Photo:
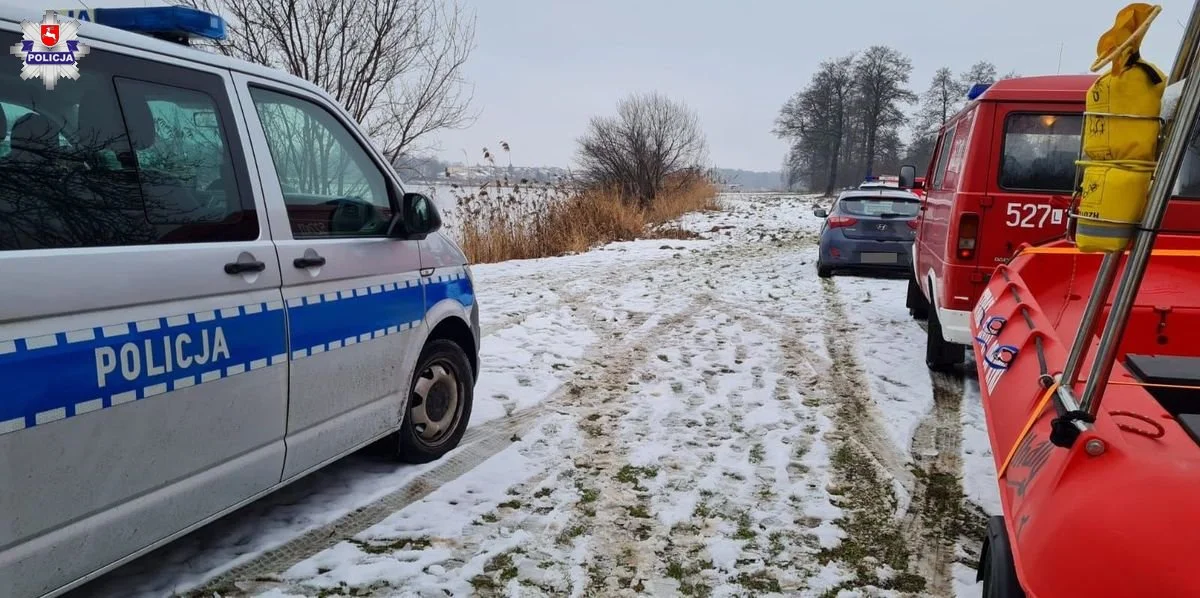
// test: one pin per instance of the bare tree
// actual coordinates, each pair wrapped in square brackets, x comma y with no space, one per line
[650,140]
[882,74]
[395,65]
[818,115]
[980,72]
[942,99]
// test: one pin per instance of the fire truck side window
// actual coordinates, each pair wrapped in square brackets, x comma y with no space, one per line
[943,157]
[1040,151]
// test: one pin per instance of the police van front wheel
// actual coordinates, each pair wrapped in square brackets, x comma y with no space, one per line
[439,403]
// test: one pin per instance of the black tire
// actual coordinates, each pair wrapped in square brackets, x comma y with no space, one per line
[917,304]
[438,358]
[996,567]
[941,356]
[824,271]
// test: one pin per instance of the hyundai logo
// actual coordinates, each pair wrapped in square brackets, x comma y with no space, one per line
[881,227]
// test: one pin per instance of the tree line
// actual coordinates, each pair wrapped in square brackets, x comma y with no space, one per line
[847,123]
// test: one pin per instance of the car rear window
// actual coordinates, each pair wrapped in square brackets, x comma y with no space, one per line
[880,206]
[1040,152]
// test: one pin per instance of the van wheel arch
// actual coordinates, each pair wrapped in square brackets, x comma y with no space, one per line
[457,331]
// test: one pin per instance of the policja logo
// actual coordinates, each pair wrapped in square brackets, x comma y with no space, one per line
[50,50]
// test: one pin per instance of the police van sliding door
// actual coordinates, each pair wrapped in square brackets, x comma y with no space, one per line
[353,296]
[142,366]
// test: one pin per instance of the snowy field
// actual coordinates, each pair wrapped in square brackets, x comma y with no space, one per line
[653,418]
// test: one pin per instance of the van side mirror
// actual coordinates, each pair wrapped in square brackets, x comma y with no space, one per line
[820,213]
[908,176]
[418,218]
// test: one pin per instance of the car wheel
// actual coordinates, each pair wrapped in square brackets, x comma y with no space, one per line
[941,356]
[439,403]
[824,271]
[997,570]
[918,306]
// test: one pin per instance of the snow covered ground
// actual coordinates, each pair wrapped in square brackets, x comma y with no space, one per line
[664,418]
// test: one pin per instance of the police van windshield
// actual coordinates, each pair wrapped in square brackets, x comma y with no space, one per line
[880,206]
[1040,152]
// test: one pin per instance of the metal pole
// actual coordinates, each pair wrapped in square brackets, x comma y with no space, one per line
[1186,53]
[1087,326]
[1179,133]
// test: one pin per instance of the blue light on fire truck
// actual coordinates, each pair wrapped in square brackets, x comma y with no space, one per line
[977,90]
[178,21]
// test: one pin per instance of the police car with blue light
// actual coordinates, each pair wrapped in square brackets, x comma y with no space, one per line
[211,285]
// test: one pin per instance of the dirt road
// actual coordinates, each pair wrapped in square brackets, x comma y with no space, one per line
[695,418]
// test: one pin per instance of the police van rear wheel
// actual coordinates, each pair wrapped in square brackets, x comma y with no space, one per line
[439,403]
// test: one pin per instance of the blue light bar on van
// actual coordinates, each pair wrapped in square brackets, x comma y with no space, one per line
[977,90]
[174,21]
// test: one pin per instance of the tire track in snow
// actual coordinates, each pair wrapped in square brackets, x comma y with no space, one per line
[934,516]
[478,445]
[474,450]
[866,460]
[847,383]
[621,543]
[599,387]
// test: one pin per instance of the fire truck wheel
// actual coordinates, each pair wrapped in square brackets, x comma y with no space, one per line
[940,355]
[996,567]
[918,306]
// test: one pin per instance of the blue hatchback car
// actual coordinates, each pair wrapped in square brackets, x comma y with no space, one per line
[868,229]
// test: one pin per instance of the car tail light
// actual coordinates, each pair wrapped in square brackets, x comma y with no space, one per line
[913,224]
[841,221]
[968,235]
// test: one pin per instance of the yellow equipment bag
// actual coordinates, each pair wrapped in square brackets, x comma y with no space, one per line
[1120,134]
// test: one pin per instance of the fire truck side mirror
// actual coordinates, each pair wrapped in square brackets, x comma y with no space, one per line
[908,176]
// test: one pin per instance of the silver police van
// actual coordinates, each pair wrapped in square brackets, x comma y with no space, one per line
[211,285]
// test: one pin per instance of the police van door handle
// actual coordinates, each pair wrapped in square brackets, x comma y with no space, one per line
[243,267]
[308,262]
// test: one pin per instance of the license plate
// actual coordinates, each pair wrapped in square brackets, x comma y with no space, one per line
[878,258]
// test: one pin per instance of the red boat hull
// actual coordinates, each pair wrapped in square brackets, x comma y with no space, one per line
[1125,522]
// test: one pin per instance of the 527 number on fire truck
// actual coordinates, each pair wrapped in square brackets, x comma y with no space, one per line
[1032,215]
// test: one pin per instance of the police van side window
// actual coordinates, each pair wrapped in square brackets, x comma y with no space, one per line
[185,169]
[943,158]
[330,185]
[112,159]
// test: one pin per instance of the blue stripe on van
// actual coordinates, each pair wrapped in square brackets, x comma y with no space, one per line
[334,320]
[67,374]
[453,286]
[71,373]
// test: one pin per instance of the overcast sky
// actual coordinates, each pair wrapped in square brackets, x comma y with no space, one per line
[543,67]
